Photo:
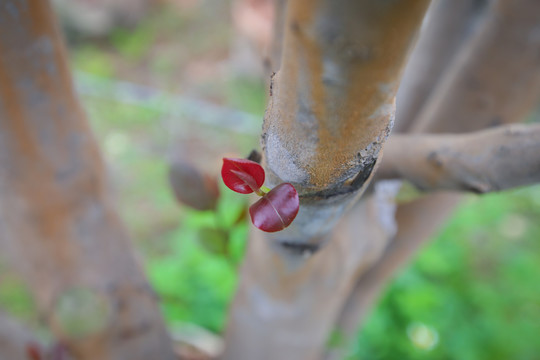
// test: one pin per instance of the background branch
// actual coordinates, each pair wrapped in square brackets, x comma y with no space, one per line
[486,84]
[416,221]
[276,47]
[489,160]
[494,79]
[451,20]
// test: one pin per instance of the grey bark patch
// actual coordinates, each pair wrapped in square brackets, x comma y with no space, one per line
[434,159]
[503,150]
[301,249]
[477,187]
[281,162]
[385,195]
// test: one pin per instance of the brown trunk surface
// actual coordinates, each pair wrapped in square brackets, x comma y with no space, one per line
[62,232]
[331,109]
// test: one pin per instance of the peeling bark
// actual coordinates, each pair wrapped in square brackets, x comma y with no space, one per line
[60,228]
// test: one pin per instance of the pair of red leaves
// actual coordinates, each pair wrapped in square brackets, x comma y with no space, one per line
[56,351]
[276,209]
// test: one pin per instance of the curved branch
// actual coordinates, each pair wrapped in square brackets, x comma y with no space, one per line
[495,78]
[489,160]
[487,82]
[451,20]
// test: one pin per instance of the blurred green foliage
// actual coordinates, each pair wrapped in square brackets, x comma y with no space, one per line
[92,60]
[473,293]
[195,284]
[14,296]
[247,95]
[475,288]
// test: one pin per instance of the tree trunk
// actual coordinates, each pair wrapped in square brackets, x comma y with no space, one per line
[291,298]
[451,20]
[60,227]
[331,110]
[14,339]
[416,222]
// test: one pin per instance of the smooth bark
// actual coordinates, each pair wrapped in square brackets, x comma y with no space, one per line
[487,67]
[446,29]
[495,78]
[59,225]
[332,106]
[276,47]
[14,338]
[489,160]
[417,221]
[286,311]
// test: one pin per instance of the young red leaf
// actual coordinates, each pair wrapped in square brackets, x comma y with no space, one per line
[241,175]
[33,351]
[275,210]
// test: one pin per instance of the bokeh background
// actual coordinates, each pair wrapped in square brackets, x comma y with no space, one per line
[184,81]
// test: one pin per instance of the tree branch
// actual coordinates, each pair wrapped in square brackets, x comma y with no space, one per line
[331,110]
[489,160]
[451,20]
[333,102]
[416,223]
[486,82]
[495,78]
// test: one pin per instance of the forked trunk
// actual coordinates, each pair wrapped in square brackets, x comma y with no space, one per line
[331,110]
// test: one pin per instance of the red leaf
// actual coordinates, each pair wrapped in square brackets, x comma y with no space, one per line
[276,210]
[241,175]
[33,351]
